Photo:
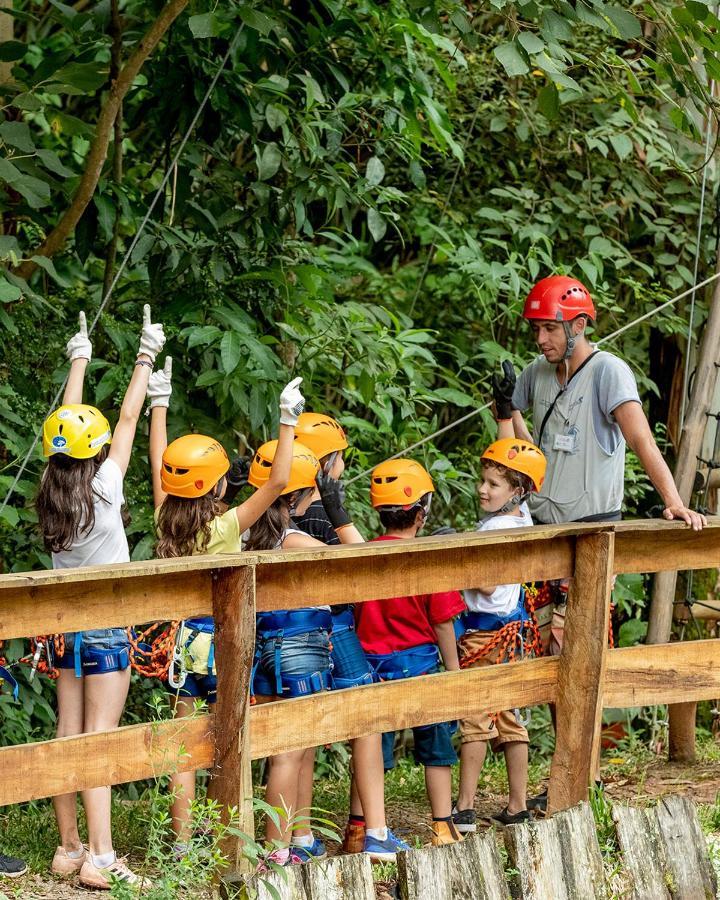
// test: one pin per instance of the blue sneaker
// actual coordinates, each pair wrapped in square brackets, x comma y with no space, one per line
[384,851]
[316,851]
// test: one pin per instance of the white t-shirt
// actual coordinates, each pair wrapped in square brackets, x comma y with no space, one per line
[505,597]
[106,542]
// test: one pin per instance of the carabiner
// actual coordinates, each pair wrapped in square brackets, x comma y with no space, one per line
[178,657]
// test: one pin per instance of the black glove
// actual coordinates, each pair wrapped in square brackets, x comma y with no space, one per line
[444,529]
[237,477]
[503,391]
[332,494]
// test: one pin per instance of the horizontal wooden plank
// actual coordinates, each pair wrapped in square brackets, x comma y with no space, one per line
[134,752]
[665,545]
[647,675]
[104,603]
[338,715]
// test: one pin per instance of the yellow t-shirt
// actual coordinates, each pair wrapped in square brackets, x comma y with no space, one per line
[225,534]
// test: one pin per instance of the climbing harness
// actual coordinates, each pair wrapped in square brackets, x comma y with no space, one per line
[404,663]
[275,627]
[342,623]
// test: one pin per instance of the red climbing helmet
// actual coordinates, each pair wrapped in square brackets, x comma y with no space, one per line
[559,297]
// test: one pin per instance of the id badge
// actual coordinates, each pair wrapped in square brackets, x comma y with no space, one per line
[564,442]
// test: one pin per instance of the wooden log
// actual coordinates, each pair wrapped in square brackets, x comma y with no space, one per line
[231,782]
[647,675]
[643,853]
[470,870]
[581,671]
[284,884]
[557,858]
[692,876]
[681,732]
[132,753]
[339,715]
[640,550]
[340,878]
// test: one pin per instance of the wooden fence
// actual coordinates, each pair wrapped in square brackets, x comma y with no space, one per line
[586,677]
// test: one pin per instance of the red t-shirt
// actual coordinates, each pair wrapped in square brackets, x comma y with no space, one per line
[386,626]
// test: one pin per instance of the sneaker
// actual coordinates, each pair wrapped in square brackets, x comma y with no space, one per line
[354,840]
[444,833]
[101,879]
[11,867]
[64,864]
[538,803]
[384,851]
[465,820]
[295,857]
[317,850]
[506,818]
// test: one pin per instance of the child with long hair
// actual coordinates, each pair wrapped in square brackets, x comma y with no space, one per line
[190,491]
[366,830]
[292,646]
[79,507]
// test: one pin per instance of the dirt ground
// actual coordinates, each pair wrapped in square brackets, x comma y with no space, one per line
[411,820]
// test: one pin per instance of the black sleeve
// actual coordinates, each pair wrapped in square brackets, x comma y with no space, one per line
[316,523]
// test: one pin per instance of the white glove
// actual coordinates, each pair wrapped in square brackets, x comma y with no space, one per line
[159,387]
[152,338]
[79,346]
[292,403]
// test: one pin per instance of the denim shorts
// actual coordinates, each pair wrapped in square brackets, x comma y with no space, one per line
[101,639]
[202,686]
[299,655]
[433,746]
[350,666]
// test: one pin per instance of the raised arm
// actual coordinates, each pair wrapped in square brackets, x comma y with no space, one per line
[151,343]
[510,421]
[332,494]
[292,404]
[159,391]
[79,352]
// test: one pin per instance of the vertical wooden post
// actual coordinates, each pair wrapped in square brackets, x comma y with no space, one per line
[581,671]
[231,784]
[681,737]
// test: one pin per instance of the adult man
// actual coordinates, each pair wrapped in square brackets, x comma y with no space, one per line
[585,407]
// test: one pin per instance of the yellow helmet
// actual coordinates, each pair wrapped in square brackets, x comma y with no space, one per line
[303,470]
[399,482]
[76,430]
[192,465]
[321,433]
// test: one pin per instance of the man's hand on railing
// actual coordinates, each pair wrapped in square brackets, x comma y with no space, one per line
[695,520]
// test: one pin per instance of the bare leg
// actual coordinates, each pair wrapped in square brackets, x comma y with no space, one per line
[282,791]
[356,807]
[516,760]
[305,794]
[438,782]
[104,702]
[368,783]
[472,759]
[182,785]
[70,701]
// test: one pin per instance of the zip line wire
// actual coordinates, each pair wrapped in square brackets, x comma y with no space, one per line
[123,264]
[604,340]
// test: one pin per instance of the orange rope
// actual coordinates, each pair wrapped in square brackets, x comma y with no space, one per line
[152,649]
[509,639]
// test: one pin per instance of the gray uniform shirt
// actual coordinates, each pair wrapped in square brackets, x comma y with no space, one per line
[583,443]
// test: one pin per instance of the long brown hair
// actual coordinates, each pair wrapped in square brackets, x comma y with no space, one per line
[183,524]
[266,533]
[66,500]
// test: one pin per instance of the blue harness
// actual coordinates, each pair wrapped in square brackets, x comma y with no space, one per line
[342,623]
[89,660]
[404,663]
[6,676]
[489,621]
[276,626]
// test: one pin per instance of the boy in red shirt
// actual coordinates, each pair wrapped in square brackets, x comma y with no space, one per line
[402,637]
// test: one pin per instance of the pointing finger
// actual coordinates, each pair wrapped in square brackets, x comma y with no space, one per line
[295,382]
[147,320]
[508,368]
[83,324]
[167,368]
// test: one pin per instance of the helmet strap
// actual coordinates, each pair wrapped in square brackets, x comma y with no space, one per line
[570,340]
[329,462]
[511,505]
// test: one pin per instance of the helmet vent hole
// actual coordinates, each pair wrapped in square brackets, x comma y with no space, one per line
[181,471]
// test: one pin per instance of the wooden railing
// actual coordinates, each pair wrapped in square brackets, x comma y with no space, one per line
[586,677]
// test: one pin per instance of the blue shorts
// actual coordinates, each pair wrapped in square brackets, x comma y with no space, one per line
[433,746]
[101,651]
[202,686]
[350,666]
[301,654]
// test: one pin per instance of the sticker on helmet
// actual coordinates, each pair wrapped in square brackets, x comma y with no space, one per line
[100,440]
[64,414]
[59,442]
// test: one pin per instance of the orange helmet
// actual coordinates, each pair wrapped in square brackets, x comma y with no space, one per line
[520,456]
[303,470]
[322,434]
[192,465]
[399,482]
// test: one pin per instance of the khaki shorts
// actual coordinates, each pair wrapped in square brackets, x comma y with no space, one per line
[557,631]
[500,728]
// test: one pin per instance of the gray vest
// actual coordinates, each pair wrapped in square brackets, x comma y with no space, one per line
[583,478]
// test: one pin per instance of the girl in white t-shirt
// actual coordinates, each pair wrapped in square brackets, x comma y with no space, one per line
[512,469]
[79,508]
[191,491]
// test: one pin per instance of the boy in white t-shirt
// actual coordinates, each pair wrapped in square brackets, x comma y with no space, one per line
[512,469]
